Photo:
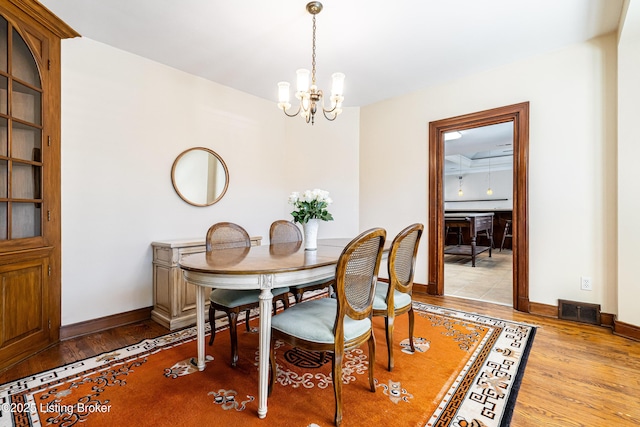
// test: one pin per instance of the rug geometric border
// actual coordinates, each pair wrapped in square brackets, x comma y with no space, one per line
[485,391]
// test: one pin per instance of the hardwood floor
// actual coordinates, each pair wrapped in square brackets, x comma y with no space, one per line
[82,347]
[577,374]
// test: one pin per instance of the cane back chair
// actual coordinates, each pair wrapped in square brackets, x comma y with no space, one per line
[341,323]
[394,298]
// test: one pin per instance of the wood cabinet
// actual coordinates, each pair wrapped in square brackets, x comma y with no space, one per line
[174,300]
[29,178]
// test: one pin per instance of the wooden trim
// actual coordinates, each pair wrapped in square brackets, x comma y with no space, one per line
[46,18]
[626,330]
[519,115]
[103,323]
[545,310]
[420,288]
[608,320]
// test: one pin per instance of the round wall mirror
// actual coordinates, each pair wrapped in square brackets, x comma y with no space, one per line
[200,176]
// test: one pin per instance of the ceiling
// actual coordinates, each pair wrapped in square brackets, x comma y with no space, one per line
[385,48]
[481,149]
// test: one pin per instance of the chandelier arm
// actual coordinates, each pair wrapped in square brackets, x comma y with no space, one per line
[329,111]
[325,110]
[284,110]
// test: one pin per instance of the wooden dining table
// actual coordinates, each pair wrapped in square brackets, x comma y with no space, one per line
[476,222]
[258,267]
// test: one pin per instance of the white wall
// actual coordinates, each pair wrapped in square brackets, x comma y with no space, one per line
[572,175]
[474,191]
[628,171]
[124,121]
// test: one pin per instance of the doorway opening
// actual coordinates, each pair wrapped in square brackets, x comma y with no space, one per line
[478,188]
[518,116]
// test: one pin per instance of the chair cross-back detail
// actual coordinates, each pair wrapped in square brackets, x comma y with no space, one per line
[506,234]
[340,324]
[282,231]
[227,235]
[394,298]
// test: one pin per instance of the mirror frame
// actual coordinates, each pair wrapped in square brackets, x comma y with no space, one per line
[224,166]
[519,115]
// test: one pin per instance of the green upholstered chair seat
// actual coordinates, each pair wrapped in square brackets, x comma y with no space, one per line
[313,321]
[231,298]
[400,299]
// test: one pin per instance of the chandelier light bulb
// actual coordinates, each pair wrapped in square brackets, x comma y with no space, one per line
[283,95]
[302,81]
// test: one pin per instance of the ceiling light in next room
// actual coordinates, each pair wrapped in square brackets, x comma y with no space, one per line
[452,135]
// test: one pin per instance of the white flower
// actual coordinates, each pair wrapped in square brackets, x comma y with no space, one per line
[321,196]
[307,196]
[293,197]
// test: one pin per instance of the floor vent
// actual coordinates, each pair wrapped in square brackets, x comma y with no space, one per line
[579,311]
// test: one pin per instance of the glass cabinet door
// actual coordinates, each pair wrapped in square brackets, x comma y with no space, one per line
[20,138]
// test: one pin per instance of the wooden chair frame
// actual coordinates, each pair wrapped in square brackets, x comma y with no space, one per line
[396,284]
[344,308]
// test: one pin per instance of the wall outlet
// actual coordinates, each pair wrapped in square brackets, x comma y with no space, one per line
[585,283]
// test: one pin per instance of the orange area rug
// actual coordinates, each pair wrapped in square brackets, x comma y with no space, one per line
[465,372]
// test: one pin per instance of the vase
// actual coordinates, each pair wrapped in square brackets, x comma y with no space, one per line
[311,234]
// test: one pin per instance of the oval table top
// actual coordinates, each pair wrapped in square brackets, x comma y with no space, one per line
[267,259]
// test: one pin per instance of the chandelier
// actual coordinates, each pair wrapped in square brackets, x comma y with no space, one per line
[311,97]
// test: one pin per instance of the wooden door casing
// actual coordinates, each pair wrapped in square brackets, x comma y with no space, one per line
[519,115]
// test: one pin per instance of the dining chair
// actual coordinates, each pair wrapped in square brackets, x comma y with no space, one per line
[227,235]
[506,233]
[394,298]
[336,324]
[282,231]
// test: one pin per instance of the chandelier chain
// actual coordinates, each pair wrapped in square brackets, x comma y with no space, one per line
[313,54]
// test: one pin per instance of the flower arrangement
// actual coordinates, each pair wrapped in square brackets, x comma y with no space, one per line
[310,205]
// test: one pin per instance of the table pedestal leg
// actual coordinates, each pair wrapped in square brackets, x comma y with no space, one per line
[266,299]
[200,294]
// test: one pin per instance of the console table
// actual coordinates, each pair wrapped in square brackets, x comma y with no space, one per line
[476,222]
[174,300]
